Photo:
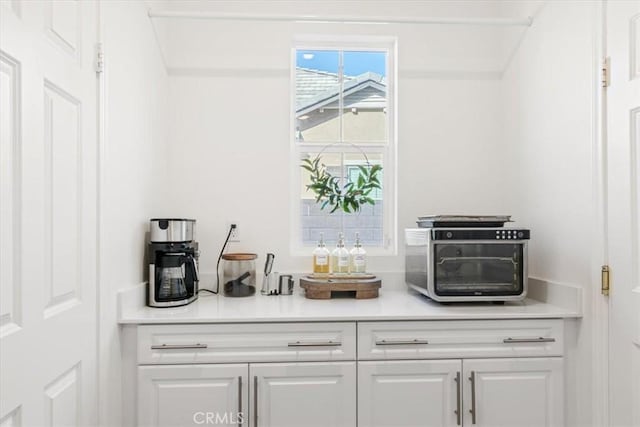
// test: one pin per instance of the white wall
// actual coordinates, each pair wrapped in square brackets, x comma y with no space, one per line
[230,127]
[482,129]
[549,97]
[135,112]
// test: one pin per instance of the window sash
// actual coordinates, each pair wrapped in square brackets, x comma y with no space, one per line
[389,243]
[387,148]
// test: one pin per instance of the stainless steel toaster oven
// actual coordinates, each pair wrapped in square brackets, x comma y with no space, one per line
[467,264]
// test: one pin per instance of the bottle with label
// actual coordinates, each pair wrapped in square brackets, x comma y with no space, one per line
[340,257]
[321,257]
[358,257]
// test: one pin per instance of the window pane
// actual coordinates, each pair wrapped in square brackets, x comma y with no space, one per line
[365,97]
[317,96]
[368,222]
[333,162]
[352,161]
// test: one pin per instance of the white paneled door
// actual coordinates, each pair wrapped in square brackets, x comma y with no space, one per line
[420,393]
[302,394]
[623,152]
[191,395]
[523,392]
[48,229]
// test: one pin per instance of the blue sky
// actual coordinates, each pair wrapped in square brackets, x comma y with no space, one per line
[354,62]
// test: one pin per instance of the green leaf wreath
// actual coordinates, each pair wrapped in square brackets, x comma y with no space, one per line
[350,197]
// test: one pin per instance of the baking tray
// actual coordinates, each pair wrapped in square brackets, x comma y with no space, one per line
[466,221]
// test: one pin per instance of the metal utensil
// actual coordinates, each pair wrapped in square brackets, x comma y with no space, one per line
[268,265]
[285,284]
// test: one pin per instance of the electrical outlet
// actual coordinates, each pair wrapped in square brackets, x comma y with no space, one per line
[235,233]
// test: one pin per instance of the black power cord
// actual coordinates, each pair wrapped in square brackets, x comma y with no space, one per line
[233,226]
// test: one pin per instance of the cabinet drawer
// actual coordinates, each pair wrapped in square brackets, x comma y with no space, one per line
[459,339]
[170,344]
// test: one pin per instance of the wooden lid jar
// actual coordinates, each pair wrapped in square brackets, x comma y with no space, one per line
[239,274]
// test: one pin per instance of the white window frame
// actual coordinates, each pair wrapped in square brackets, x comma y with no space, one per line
[388,150]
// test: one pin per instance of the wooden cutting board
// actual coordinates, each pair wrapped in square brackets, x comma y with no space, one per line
[324,288]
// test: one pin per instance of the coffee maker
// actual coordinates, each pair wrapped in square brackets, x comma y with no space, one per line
[173,263]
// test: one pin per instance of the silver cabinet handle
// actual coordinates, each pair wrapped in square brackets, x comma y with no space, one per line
[458,412]
[255,401]
[240,416]
[177,346]
[402,342]
[521,340]
[472,378]
[314,344]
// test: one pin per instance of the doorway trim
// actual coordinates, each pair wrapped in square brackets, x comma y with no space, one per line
[600,256]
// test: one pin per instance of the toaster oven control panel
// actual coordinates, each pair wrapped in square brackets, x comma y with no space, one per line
[480,234]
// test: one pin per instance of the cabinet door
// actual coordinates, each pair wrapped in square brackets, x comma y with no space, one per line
[407,394]
[513,392]
[303,394]
[184,395]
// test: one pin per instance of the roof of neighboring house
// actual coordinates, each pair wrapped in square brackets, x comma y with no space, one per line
[315,89]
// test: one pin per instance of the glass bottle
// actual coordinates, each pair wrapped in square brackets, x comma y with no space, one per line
[340,257]
[321,257]
[358,257]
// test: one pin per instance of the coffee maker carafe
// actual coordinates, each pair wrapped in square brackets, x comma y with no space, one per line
[173,263]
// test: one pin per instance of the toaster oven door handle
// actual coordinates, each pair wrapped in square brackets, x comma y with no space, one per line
[444,259]
[177,346]
[402,342]
[525,340]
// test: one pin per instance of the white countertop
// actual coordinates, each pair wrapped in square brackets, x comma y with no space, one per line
[390,305]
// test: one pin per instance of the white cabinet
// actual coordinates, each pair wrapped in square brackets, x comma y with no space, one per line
[460,339]
[249,342]
[181,382]
[485,392]
[513,392]
[303,394]
[346,374]
[265,395]
[186,395]
[463,389]
[408,393]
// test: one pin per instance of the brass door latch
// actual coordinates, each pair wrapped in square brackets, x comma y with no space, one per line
[605,280]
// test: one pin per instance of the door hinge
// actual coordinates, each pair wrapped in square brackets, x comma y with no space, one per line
[606,72]
[99,58]
[605,280]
